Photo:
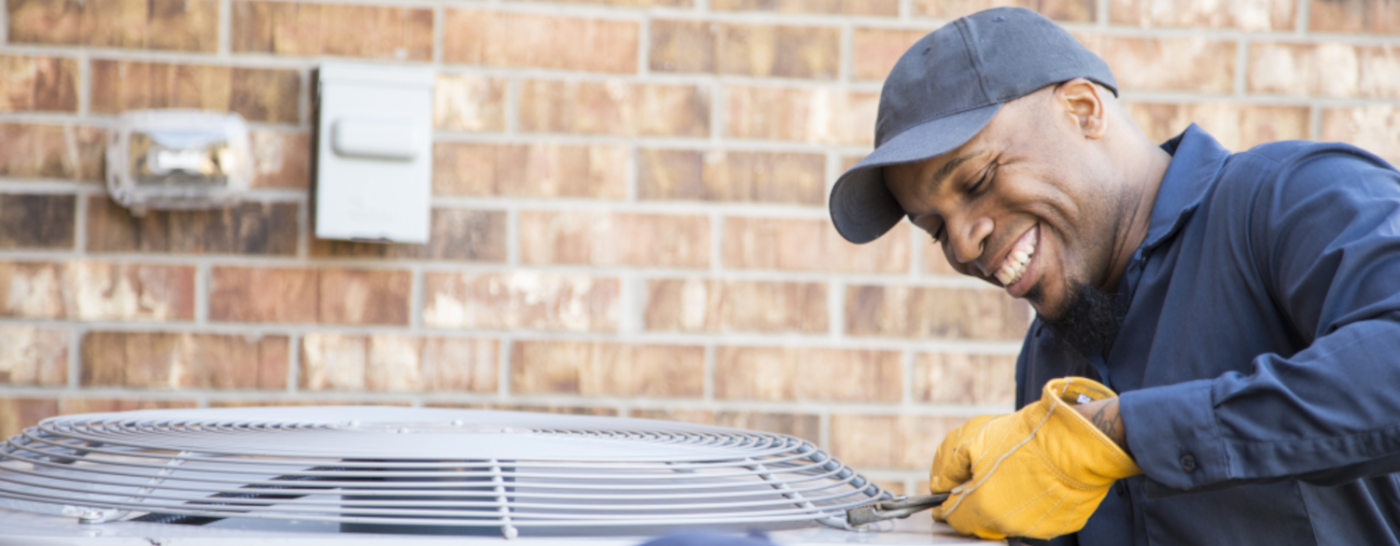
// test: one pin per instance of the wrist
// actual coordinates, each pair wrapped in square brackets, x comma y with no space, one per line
[1104,415]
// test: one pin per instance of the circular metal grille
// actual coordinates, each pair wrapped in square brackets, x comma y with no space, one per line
[381,469]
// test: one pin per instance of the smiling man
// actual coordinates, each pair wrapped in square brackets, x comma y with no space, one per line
[1216,352]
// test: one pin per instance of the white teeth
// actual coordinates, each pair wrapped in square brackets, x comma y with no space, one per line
[1016,263]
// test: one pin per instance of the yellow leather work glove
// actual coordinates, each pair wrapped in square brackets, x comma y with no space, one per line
[1037,473]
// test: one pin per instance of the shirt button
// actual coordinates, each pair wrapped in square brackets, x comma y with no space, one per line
[1188,463]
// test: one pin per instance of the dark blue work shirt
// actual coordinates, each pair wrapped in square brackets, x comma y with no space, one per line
[1259,359]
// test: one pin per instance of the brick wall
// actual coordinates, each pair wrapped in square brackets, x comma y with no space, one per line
[628,215]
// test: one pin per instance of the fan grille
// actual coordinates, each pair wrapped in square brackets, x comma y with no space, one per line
[424,470]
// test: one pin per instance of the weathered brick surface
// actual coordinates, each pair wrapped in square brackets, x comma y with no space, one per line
[935,312]
[174,361]
[281,159]
[398,363]
[597,238]
[694,305]
[366,296]
[313,28]
[524,299]
[1060,10]
[64,152]
[1236,126]
[39,221]
[468,102]
[124,291]
[32,355]
[875,50]
[258,94]
[615,108]
[834,7]
[809,245]
[1379,16]
[935,262]
[38,83]
[607,369]
[541,41]
[889,441]
[1326,70]
[824,116]
[72,405]
[745,49]
[802,425]
[1265,15]
[798,373]
[453,234]
[1375,128]
[184,25]
[1196,64]
[250,227]
[969,379]
[334,296]
[763,177]
[529,170]
[32,290]
[16,414]
[697,417]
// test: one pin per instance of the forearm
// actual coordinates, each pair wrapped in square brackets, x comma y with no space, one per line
[1105,416]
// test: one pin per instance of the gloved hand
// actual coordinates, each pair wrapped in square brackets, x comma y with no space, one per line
[1037,473]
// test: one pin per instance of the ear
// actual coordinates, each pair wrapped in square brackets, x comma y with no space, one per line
[1082,103]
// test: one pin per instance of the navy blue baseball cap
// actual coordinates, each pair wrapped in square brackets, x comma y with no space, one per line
[944,90]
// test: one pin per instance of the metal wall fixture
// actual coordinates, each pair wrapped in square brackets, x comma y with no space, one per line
[178,159]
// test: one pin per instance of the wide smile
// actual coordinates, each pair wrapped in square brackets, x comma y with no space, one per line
[1021,265]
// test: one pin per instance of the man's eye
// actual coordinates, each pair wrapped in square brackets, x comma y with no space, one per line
[986,178]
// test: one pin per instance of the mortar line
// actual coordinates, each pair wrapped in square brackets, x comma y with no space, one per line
[846,54]
[1314,122]
[415,298]
[1304,23]
[305,231]
[824,429]
[708,391]
[507,345]
[716,242]
[1102,17]
[907,376]
[224,48]
[644,46]
[305,100]
[513,236]
[80,222]
[512,107]
[836,309]
[84,83]
[717,112]
[75,364]
[630,173]
[202,286]
[906,10]
[439,32]
[1241,83]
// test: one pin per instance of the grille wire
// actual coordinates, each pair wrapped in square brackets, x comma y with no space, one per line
[382,469]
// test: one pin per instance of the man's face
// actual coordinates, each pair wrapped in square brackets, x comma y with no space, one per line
[1023,205]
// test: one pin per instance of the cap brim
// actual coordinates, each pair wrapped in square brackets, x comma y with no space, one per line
[862,207]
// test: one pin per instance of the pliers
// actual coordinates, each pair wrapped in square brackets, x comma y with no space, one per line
[898,507]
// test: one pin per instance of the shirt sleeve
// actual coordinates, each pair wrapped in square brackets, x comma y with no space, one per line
[1325,238]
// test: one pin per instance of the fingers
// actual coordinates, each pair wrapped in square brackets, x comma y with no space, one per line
[952,464]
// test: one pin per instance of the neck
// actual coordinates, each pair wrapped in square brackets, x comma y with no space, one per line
[1146,168]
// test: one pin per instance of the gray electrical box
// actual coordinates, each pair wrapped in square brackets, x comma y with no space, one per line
[374,153]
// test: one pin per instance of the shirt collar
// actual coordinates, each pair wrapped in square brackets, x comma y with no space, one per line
[1196,160]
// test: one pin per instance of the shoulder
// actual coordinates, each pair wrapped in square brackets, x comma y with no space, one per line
[1282,175]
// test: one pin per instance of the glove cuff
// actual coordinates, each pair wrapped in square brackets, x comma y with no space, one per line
[1104,457]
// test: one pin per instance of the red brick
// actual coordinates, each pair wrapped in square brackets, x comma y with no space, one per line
[34,356]
[467,102]
[372,296]
[1195,64]
[808,374]
[935,262]
[33,290]
[967,379]
[889,441]
[541,41]
[184,25]
[1060,10]
[453,234]
[1328,70]
[833,7]
[696,417]
[1380,16]
[607,369]
[596,411]
[73,405]
[258,94]
[764,177]
[614,107]
[1236,126]
[795,244]
[158,360]
[64,152]
[111,291]
[247,294]
[935,312]
[529,170]
[39,221]
[745,50]
[875,50]
[824,116]
[599,238]
[805,426]
[455,364]
[520,300]
[38,84]
[697,305]
[281,159]
[333,362]
[250,227]
[1375,128]
[1267,15]
[308,29]
[336,401]
[17,414]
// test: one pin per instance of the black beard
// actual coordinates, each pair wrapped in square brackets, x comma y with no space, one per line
[1090,320]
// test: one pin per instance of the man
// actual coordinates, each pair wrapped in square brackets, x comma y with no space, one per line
[1244,307]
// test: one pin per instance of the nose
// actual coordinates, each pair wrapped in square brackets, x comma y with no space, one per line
[967,239]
